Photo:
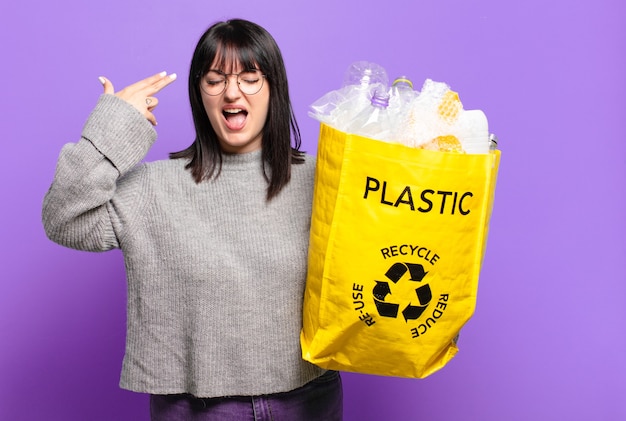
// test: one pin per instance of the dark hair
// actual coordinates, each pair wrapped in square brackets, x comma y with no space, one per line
[252,46]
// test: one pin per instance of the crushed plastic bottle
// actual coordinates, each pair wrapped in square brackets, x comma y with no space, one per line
[339,107]
[365,74]
[375,120]
[401,94]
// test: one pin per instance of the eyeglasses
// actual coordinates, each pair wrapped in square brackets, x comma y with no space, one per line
[250,82]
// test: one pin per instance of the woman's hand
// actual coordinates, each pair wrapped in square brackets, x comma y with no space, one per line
[141,94]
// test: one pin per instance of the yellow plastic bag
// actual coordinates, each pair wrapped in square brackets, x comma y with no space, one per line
[397,240]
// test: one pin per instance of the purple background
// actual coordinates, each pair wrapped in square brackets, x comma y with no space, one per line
[548,337]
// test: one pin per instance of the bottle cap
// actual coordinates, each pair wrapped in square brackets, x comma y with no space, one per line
[402,80]
[380,98]
[493,141]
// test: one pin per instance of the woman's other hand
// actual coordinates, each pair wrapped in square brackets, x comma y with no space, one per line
[141,94]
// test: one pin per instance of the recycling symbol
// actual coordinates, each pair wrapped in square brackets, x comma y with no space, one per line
[396,272]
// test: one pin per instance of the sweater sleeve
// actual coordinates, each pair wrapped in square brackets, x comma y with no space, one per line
[77,210]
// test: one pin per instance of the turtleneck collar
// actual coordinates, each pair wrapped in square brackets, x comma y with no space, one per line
[241,160]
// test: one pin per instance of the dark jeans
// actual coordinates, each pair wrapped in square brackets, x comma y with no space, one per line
[318,400]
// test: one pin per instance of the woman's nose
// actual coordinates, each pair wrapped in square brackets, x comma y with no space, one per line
[232,87]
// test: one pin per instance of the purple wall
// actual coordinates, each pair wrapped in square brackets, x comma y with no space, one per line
[548,337]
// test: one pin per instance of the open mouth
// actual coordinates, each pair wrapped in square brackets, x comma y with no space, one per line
[235,117]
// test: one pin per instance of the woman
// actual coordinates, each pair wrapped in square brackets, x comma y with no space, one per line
[215,239]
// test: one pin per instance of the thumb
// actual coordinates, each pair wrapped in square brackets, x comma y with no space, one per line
[106,83]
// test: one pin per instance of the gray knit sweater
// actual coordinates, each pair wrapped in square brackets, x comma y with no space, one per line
[215,272]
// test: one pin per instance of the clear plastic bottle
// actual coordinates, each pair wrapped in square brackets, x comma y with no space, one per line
[401,97]
[401,94]
[339,107]
[365,74]
[361,80]
[375,121]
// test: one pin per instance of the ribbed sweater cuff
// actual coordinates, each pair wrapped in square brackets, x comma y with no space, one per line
[119,131]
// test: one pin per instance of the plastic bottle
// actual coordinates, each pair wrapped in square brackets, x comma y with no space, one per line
[339,107]
[374,121]
[365,74]
[361,80]
[401,97]
[401,94]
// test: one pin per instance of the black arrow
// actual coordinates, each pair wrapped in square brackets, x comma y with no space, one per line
[424,294]
[381,290]
[417,271]
[387,309]
[412,312]
[396,271]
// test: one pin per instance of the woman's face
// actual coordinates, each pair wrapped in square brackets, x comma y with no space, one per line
[237,118]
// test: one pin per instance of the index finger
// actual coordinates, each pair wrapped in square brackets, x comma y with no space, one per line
[151,83]
[150,80]
[161,83]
